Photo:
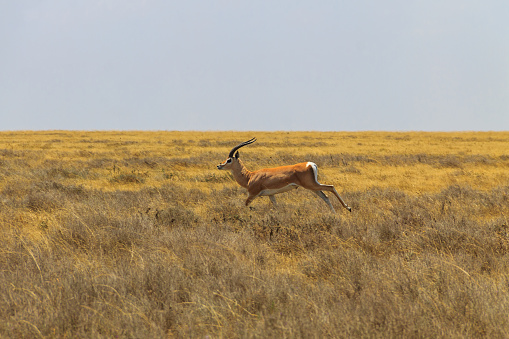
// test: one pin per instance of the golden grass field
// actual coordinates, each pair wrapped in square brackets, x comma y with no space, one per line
[137,234]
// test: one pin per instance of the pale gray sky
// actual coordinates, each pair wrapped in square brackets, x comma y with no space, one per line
[254,65]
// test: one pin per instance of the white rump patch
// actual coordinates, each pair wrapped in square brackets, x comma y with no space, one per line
[315,170]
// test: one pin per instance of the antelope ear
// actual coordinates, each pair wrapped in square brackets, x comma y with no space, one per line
[237,155]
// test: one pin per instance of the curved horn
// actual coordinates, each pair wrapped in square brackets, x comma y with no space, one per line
[242,144]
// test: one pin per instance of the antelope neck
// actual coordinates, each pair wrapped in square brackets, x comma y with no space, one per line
[241,173]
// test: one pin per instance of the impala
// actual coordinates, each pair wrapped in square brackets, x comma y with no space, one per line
[270,181]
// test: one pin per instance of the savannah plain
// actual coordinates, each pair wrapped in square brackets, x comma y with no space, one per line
[137,234]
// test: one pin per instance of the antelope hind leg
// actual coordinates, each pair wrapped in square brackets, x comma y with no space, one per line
[327,201]
[330,188]
[341,200]
[273,199]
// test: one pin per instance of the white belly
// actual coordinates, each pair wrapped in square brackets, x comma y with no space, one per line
[278,190]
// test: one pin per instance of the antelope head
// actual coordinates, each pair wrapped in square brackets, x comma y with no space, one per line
[234,157]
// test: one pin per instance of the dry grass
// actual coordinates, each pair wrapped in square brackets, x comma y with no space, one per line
[134,234]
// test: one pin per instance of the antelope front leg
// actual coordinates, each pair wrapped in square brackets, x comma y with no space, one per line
[250,198]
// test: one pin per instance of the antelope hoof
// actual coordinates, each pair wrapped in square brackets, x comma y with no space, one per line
[349,209]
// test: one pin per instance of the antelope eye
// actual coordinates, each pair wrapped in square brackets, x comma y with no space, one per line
[229,160]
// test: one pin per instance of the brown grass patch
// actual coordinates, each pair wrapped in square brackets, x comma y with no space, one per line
[135,235]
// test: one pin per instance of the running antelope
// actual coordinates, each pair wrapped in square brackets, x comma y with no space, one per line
[270,181]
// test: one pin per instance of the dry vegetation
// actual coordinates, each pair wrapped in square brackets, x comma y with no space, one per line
[109,234]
